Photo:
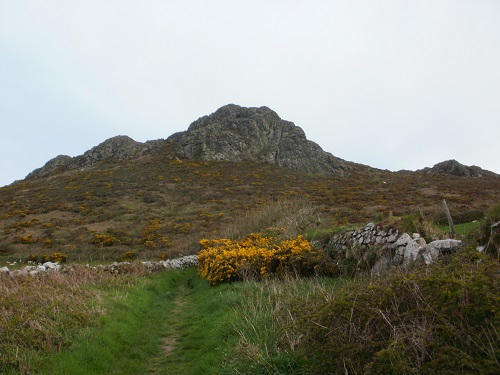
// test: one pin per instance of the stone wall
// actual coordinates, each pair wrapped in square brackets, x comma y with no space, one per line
[116,267]
[377,249]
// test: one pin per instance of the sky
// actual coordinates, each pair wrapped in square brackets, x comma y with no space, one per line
[391,84]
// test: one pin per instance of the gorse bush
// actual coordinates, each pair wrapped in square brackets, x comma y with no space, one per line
[129,256]
[103,239]
[258,257]
[151,235]
[56,257]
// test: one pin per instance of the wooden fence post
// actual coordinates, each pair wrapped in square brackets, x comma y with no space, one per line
[450,221]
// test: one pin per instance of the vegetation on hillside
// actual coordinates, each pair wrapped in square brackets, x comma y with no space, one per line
[432,319]
[155,205]
[435,319]
[438,319]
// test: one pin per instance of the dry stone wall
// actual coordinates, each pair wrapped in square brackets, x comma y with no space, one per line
[116,267]
[377,248]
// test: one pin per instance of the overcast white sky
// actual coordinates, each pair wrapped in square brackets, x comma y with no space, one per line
[389,83]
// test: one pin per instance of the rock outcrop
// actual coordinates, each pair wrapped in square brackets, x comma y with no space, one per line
[117,148]
[60,163]
[236,133]
[453,167]
[232,133]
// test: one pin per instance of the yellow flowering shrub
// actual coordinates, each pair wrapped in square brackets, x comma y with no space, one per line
[223,260]
[54,257]
[103,239]
[129,256]
[152,237]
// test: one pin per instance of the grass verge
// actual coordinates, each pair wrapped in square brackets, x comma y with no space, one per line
[124,338]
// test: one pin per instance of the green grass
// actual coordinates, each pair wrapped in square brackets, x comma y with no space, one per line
[126,337]
[174,308]
[173,322]
[461,229]
[176,323]
[202,328]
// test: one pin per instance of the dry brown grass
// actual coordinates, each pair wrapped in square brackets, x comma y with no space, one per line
[39,313]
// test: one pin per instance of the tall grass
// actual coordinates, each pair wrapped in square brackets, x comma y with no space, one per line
[264,321]
[40,314]
[126,338]
[438,319]
[287,216]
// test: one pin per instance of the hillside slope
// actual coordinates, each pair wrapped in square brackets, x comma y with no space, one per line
[153,204]
[162,197]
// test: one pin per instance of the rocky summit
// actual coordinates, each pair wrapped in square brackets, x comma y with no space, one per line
[237,133]
[453,167]
[232,133]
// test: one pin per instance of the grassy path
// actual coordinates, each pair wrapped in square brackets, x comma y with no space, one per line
[174,324]
[198,332]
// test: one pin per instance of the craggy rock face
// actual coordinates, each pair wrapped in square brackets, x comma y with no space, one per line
[236,133]
[117,148]
[453,167]
[232,133]
[59,163]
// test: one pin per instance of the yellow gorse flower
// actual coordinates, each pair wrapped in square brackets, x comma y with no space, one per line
[223,260]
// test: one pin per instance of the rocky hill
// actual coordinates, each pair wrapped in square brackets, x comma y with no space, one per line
[453,167]
[161,197]
[232,133]
[236,133]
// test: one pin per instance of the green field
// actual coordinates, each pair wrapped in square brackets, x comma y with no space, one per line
[461,229]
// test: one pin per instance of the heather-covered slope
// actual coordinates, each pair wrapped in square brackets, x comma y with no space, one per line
[160,198]
[153,204]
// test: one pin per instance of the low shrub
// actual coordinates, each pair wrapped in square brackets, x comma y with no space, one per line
[437,319]
[487,236]
[258,257]
[129,256]
[416,223]
[6,248]
[31,258]
[54,257]
[103,239]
